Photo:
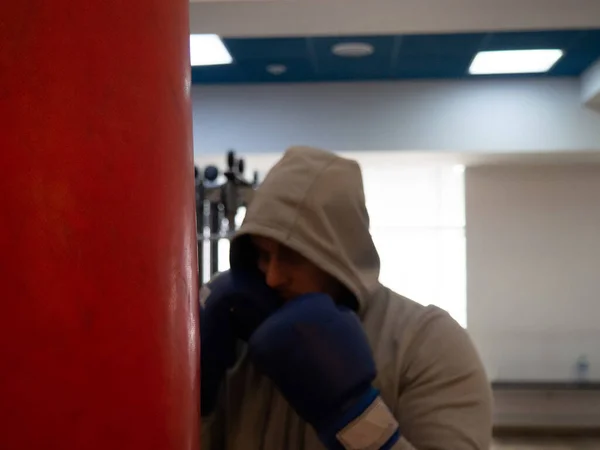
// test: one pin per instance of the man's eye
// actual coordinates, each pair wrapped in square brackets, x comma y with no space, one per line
[292,257]
[263,258]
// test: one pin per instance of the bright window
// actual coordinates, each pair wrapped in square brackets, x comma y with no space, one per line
[417,224]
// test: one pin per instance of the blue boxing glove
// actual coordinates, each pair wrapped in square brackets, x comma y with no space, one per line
[232,305]
[318,356]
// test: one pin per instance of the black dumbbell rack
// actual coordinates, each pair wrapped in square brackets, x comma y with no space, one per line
[217,205]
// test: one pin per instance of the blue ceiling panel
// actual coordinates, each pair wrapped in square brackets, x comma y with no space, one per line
[218,74]
[441,44]
[432,67]
[530,40]
[436,56]
[267,48]
[297,70]
[582,52]
[395,57]
[253,71]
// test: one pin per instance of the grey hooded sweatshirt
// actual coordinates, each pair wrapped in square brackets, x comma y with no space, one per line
[429,374]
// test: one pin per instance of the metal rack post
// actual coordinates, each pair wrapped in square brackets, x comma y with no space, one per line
[217,205]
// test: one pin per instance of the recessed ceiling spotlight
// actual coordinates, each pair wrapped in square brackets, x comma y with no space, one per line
[514,61]
[276,69]
[352,49]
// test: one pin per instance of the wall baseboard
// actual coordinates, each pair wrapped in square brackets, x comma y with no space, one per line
[546,409]
[545,432]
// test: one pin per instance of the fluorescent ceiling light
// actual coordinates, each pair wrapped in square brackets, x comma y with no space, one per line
[514,61]
[208,50]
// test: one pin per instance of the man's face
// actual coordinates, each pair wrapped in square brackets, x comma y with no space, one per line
[288,272]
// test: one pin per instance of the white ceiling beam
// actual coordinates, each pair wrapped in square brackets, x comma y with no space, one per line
[350,17]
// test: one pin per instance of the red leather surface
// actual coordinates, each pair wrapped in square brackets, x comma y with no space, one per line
[98,324]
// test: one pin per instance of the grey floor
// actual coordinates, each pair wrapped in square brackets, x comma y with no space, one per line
[546,444]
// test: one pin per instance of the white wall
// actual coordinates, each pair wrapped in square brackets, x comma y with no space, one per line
[461,116]
[533,268]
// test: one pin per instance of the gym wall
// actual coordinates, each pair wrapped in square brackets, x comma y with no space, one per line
[533,268]
[531,115]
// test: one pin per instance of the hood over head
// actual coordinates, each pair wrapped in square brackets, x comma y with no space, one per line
[313,202]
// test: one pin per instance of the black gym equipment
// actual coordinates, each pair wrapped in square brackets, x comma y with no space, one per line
[217,205]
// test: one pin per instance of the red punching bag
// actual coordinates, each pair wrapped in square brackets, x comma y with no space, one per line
[98,327]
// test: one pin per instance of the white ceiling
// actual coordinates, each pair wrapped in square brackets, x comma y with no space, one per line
[246,18]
